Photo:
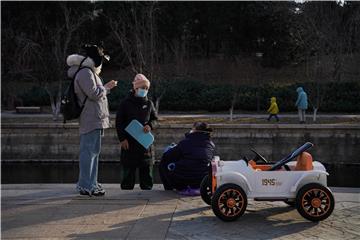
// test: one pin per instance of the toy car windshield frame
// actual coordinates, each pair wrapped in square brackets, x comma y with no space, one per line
[291,156]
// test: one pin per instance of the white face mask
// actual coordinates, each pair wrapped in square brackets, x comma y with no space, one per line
[98,69]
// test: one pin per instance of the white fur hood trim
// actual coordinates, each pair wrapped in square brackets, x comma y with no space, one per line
[74,60]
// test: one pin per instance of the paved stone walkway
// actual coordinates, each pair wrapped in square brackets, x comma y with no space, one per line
[56,211]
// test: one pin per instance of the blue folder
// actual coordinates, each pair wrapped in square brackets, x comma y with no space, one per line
[136,130]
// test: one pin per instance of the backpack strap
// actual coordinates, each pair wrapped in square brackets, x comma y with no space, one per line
[94,77]
[73,82]
[80,67]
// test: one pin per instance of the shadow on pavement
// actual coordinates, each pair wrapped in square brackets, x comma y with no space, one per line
[71,208]
[254,224]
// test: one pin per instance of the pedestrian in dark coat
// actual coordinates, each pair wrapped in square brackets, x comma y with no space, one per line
[185,165]
[133,154]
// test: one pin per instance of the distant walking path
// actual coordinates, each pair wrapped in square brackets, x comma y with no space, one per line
[10,114]
[255,115]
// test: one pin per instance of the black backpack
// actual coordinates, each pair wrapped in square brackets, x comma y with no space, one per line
[70,107]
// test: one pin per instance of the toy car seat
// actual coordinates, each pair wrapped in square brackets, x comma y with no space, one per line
[304,162]
[252,163]
[257,167]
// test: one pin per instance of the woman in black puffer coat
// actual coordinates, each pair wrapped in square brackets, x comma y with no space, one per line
[186,164]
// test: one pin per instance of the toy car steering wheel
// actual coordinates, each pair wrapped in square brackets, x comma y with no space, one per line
[259,156]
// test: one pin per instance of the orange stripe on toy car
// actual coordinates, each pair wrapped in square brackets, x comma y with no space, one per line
[213,184]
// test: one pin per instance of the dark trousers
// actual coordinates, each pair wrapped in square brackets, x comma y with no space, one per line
[273,115]
[145,177]
[163,172]
[171,181]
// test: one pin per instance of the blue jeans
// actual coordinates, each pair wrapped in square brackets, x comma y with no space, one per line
[90,146]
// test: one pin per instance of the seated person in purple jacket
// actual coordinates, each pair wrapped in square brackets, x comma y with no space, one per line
[183,166]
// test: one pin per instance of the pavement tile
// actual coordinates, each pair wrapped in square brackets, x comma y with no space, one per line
[102,232]
[263,220]
[39,231]
[158,214]
[153,223]
[39,238]
[25,215]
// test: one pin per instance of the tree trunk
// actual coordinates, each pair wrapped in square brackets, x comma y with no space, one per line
[233,102]
[257,100]
[157,104]
[231,112]
[315,114]
[55,105]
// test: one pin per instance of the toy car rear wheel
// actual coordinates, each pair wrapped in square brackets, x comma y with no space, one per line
[315,202]
[205,190]
[229,202]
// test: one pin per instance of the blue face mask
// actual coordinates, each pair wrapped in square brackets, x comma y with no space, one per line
[140,92]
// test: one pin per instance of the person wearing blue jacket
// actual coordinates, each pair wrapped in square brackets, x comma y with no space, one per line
[184,165]
[301,104]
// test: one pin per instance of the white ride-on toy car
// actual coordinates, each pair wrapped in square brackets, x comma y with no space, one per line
[295,179]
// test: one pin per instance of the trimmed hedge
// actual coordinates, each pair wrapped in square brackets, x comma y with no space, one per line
[117,94]
[35,97]
[189,95]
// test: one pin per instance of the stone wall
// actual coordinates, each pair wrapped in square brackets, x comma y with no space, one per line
[48,153]
[333,143]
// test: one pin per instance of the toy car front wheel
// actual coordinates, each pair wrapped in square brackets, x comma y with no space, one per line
[315,202]
[205,190]
[229,202]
